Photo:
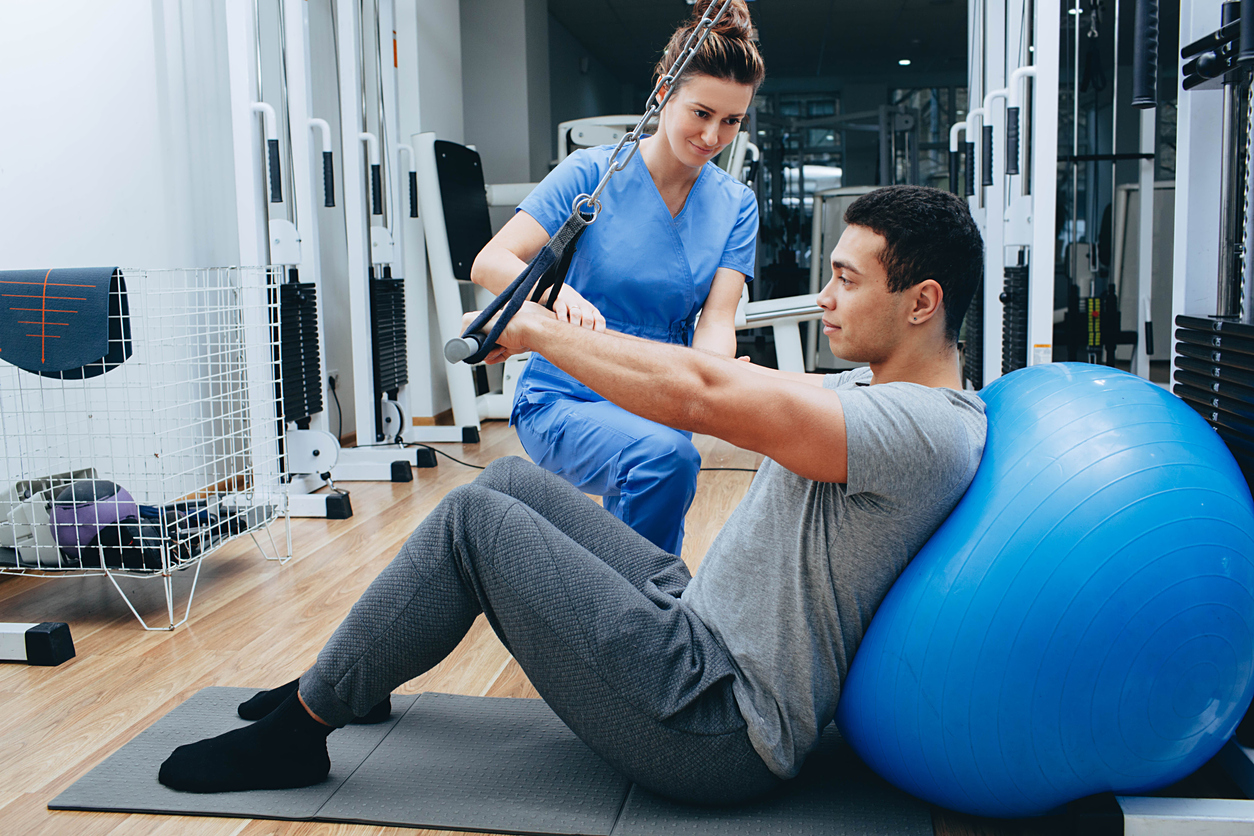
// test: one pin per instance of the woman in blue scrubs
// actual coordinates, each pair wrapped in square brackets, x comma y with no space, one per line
[675,237]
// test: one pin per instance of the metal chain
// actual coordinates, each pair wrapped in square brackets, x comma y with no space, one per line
[694,42]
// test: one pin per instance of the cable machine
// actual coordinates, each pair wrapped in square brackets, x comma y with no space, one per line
[1012,69]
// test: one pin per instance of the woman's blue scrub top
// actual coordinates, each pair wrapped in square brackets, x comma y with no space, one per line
[647,272]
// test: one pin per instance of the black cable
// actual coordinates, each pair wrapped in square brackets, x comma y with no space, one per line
[447,456]
[339,410]
[409,444]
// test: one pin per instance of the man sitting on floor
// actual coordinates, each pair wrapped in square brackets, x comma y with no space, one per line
[709,689]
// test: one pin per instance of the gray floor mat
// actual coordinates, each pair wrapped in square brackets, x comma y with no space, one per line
[835,795]
[482,763]
[127,780]
[499,765]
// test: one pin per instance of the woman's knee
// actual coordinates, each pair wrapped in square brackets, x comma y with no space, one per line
[663,456]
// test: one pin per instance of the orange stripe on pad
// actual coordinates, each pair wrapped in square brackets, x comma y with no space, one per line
[49,284]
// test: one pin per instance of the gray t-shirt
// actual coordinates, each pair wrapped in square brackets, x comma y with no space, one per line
[791,582]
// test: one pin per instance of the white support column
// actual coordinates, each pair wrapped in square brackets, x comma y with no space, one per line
[1044,168]
[357,218]
[994,196]
[1199,120]
[307,181]
[1145,249]
[241,49]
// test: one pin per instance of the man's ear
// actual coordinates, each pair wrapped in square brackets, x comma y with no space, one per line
[928,296]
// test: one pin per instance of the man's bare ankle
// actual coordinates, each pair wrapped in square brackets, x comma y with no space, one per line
[309,710]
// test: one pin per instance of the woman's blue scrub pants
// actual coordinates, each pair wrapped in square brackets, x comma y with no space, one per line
[646,472]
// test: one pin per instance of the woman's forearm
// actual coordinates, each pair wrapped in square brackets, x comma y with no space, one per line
[495,267]
[717,338]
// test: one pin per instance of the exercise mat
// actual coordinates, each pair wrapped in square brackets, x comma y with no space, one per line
[71,323]
[126,781]
[486,764]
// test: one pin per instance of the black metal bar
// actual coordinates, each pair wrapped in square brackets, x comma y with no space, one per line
[953,172]
[413,194]
[1246,25]
[1145,55]
[1102,158]
[1213,41]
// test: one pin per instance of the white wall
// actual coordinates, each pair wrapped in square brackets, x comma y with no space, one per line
[116,147]
[505,84]
[581,85]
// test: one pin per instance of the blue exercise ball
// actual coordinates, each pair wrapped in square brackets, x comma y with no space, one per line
[1082,622]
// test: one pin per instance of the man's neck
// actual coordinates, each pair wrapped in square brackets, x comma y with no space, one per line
[934,369]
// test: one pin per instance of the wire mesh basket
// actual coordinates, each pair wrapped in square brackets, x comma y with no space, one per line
[143,467]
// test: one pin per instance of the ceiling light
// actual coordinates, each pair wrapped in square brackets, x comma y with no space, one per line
[905,62]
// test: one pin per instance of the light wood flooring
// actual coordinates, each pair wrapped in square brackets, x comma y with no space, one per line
[255,623]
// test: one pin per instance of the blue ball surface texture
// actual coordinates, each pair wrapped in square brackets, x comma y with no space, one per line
[1082,622]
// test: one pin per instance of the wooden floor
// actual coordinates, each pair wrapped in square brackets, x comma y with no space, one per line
[255,623]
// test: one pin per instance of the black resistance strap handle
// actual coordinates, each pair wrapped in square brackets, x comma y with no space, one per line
[276,173]
[328,179]
[1012,140]
[547,270]
[1145,55]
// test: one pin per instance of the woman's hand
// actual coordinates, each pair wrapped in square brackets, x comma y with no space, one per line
[573,308]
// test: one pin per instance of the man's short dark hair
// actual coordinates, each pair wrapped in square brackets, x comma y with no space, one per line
[928,234]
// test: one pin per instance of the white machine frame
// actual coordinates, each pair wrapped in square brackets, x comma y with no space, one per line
[1005,210]
[316,451]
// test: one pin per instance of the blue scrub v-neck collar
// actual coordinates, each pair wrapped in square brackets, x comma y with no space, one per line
[647,175]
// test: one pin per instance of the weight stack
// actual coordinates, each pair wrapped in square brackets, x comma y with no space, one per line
[387,314]
[1014,323]
[1215,375]
[301,367]
[973,339]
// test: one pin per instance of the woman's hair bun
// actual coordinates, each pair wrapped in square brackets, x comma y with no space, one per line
[730,52]
[735,22]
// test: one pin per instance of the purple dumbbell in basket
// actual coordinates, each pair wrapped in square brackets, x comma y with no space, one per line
[82,509]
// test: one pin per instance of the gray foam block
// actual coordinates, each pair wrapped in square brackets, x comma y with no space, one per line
[479,763]
[835,795]
[126,781]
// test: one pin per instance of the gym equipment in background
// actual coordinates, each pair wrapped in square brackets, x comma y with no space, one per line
[1083,622]
[1007,160]
[46,644]
[271,56]
[187,427]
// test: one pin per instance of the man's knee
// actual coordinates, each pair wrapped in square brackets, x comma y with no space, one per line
[503,471]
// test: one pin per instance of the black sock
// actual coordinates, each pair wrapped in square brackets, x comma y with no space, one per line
[263,702]
[285,749]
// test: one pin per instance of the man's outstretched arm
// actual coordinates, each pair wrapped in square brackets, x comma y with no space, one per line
[783,416]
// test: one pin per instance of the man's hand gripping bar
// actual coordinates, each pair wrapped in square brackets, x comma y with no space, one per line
[547,270]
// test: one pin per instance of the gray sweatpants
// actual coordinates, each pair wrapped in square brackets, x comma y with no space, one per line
[588,607]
